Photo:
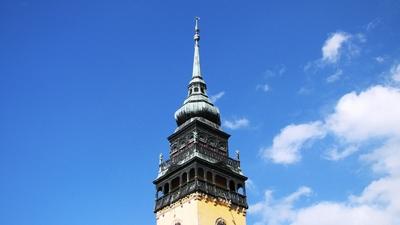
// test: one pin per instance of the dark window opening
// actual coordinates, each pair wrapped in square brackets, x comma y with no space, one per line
[191,174]
[175,183]
[200,173]
[184,178]
[232,186]
[196,89]
[209,177]
[220,181]
[166,189]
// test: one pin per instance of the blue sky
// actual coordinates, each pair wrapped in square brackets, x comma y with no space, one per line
[309,91]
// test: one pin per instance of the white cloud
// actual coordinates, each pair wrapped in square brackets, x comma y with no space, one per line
[386,158]
[334,77]
[263,87]
[216,97]
[331,50]
[379,203]
[275,212]
[373,113]
[236,124]
[286,146]
[366,122]
[395,72]
[357,119]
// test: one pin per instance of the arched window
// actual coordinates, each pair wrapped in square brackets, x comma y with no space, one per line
[220,181]
[220,221]
[209,177]
[159,192]
[200,173]
[240,189]
[166,189]
[232,185]
[175,183]
[184,178]
[191,174]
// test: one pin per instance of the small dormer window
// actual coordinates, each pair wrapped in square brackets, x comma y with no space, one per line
[196,89]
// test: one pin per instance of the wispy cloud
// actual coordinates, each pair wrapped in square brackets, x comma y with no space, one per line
[216,97]
[379,59]
[334,154]
[278,211]
[335,76]
[269,74]
[331,50]
[263,87]
[304,91]
[276,71]
[236,124]
[395,72]
[374,23]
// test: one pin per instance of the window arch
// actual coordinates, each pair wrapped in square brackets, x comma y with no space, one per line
[220,221]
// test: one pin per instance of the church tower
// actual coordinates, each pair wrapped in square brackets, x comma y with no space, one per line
[199,184]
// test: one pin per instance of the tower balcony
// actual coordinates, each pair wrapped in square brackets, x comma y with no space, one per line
[203,187]
[198,150]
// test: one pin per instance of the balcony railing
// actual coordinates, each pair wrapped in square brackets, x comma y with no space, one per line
[204,187]
[202,152]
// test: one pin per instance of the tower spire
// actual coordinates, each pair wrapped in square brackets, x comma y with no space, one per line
[196,59]
[197,104]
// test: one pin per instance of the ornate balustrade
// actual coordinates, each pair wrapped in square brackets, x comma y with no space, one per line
[204,187]
[195,149]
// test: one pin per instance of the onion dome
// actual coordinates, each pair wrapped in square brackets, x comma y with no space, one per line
[197,104]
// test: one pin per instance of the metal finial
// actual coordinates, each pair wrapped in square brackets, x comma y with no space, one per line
[196,30]
[237,154]
[197,23]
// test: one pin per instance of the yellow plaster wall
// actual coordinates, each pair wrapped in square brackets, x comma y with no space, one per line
[210,211]
[199,210]
[184,212]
